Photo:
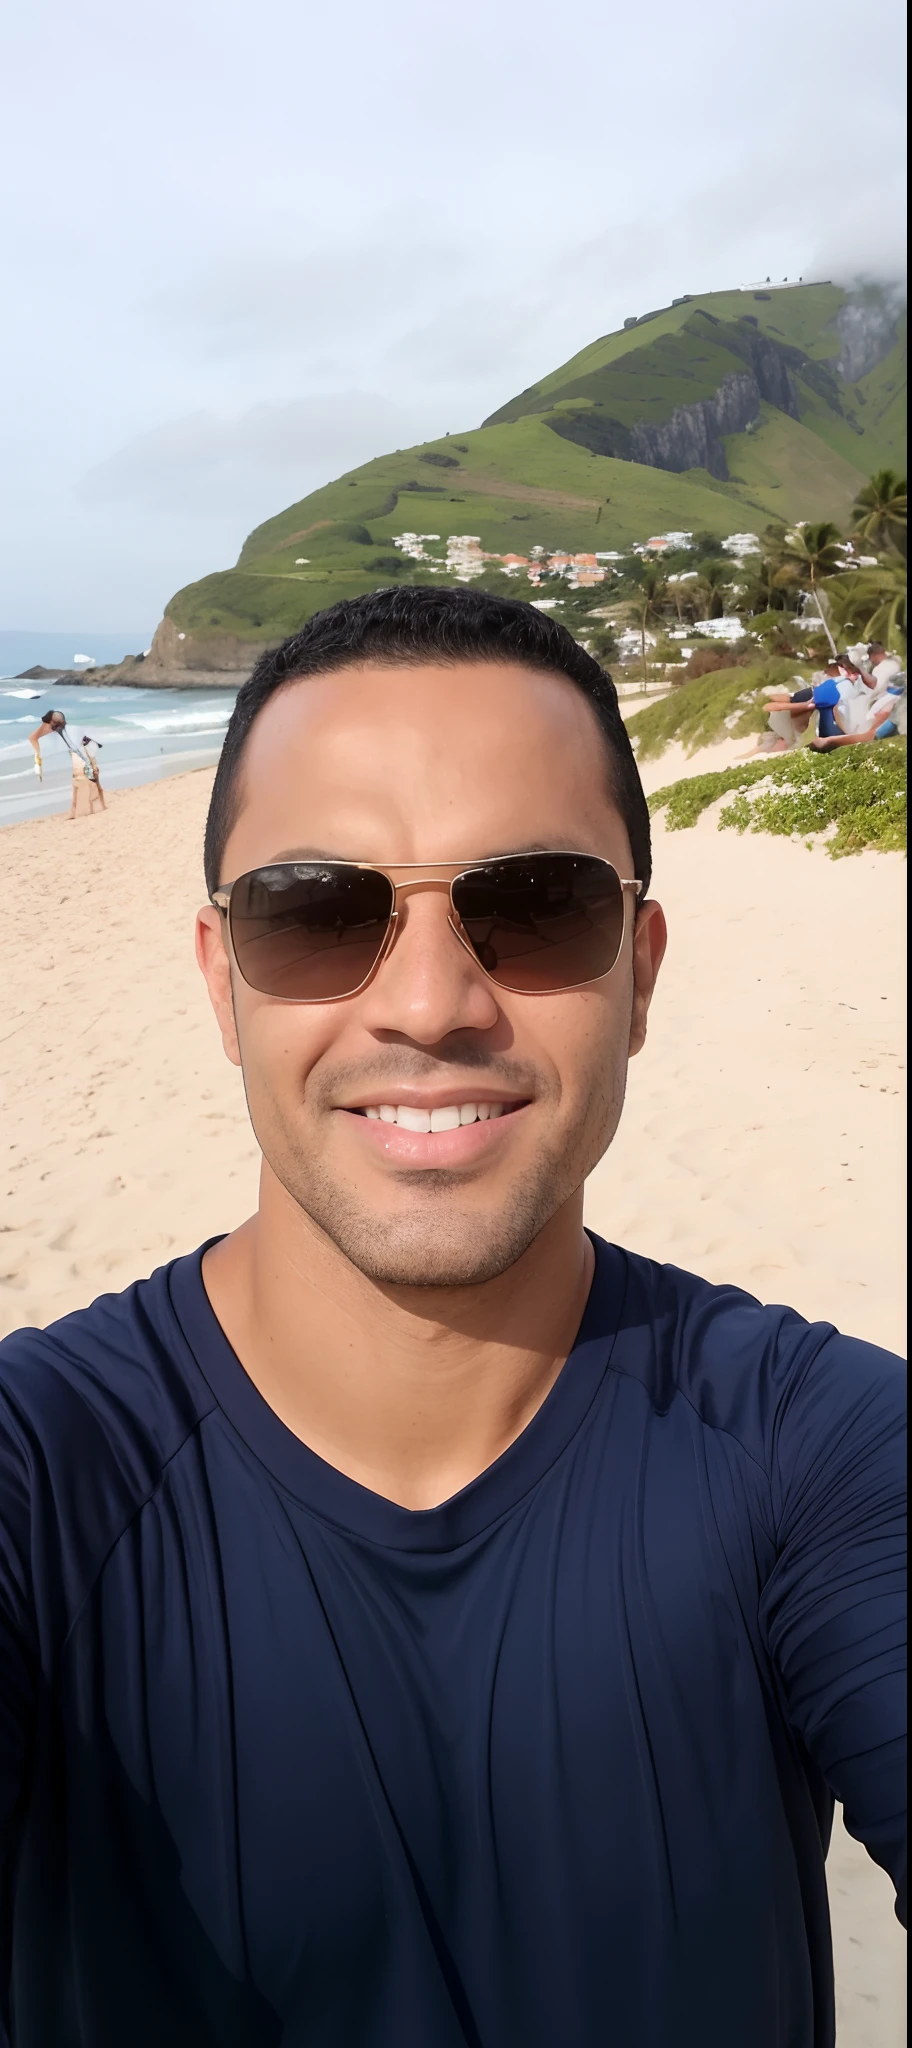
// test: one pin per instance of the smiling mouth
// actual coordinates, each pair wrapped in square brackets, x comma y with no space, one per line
[449,1117]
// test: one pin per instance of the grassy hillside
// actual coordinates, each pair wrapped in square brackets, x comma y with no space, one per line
[782,463]
[804,319]
[552,468]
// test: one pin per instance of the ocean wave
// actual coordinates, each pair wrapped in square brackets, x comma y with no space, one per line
[138,737]
[179,722]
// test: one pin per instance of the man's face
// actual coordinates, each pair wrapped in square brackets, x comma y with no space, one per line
[431,765]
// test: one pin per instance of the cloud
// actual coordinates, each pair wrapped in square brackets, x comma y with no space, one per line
[290,238]
[267,456]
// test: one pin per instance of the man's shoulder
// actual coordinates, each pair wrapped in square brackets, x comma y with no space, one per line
[745,1367]
[118,1374]
[93,1410]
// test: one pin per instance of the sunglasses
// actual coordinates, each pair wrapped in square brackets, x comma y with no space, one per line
[314,931]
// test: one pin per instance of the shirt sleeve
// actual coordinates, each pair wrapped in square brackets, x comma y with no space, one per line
[18,1635]
[833,1610]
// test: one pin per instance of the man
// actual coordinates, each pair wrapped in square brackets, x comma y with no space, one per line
[882,669]
[83,760]
[789,714]
[426,1626]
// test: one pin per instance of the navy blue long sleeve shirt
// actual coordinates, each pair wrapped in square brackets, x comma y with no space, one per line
[549,1766]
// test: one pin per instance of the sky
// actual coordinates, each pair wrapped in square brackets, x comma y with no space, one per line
[245,248]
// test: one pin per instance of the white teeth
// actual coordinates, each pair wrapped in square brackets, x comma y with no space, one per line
[448,1119]
[410,1119]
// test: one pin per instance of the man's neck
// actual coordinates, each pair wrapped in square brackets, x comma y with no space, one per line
[410,1391]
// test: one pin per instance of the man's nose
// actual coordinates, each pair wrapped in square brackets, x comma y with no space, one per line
[429,985]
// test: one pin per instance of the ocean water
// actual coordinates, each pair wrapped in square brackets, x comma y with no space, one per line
[142,735]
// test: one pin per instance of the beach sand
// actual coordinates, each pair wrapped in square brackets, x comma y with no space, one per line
[761,1141]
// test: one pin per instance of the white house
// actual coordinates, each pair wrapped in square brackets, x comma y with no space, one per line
[741,544]
[720,629]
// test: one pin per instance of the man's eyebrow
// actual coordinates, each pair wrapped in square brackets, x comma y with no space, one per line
[321,853]
[303,853]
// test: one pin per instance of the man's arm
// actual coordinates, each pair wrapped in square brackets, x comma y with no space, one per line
[833,1609]
[18,1650]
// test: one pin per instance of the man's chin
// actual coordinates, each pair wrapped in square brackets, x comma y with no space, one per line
[433,1244]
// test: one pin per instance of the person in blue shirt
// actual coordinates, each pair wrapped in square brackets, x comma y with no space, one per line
[835,685]
[423,1624]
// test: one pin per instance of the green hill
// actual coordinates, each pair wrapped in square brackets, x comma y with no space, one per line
[714,415]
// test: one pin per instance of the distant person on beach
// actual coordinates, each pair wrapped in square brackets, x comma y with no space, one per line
[789,714]
[83,759]
[876,709]
[90,749]
[882,669]
[884,719]
[422,1623]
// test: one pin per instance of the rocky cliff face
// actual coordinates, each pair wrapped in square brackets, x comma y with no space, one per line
[867,331]
[189,661]
[692,437]
[775,381]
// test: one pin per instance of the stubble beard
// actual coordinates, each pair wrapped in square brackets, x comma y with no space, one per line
[440,1239]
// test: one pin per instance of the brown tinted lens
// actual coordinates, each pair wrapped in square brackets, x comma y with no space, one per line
[552,921]
[309,931]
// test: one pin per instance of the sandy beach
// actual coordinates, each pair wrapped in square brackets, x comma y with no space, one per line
[762,1141]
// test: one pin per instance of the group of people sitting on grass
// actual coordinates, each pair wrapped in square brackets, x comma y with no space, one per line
[848,702]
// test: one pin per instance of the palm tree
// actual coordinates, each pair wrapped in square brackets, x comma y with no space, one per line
[763,593]
[649,605]
[683,596]
[872,603]
[714,580]
[803,556]
[879,512]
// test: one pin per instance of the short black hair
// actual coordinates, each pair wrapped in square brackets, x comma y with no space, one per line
[410,625]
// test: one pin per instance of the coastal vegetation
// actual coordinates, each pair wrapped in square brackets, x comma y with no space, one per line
[856,798]
[726,702]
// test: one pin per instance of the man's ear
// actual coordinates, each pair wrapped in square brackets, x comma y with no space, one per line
[649,941]
[212,956]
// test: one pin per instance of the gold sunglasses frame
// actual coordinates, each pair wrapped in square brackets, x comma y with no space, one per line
[443,876]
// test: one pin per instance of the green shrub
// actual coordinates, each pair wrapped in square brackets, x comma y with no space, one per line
[710,707]
[859,791]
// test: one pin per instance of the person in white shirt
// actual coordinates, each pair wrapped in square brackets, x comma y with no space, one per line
[882,669]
